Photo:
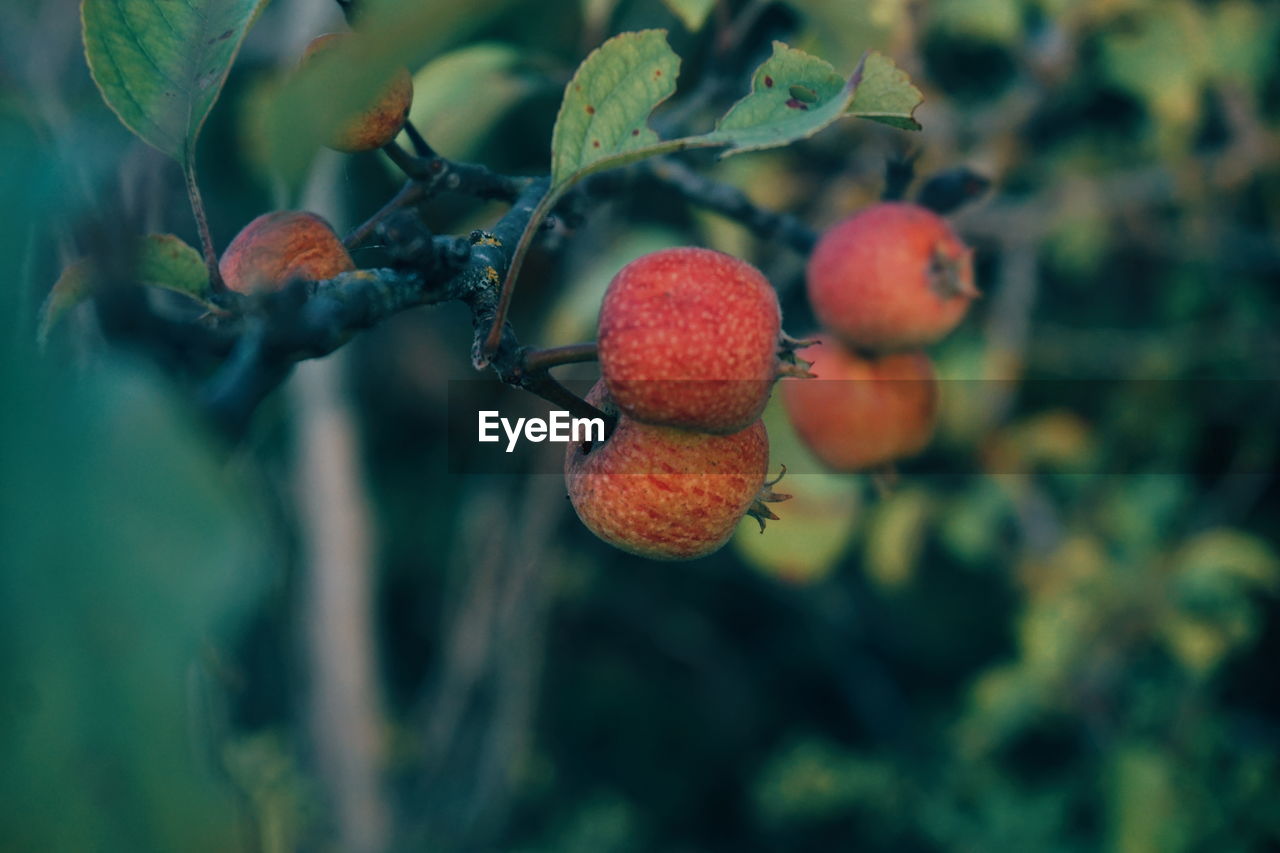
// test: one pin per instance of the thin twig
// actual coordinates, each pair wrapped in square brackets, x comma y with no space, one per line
[411,193]
[730,201]
[419,142]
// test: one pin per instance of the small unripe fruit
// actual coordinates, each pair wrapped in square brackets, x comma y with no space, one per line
[382,120]
[690,338]
[665,493]
[892,277]
[280,246]
[861,412]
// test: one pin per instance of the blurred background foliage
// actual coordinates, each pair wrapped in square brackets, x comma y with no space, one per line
[1057,631]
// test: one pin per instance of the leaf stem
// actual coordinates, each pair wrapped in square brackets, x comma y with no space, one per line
[545,359]
[216,284]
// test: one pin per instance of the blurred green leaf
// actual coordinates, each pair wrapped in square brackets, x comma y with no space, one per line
[445,107]
[573,316]
[692,13]
[160,64]
[816,525]
[895,536]
[129,553]
[842,31]
[1145,813]
[813,780]
[998,21]
[1213,576]
[161,260]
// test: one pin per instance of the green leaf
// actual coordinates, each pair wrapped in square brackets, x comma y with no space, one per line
[606,105]
[160,64]
[886,94]
[692,13]
[771,115]
[794,95]
[160,260]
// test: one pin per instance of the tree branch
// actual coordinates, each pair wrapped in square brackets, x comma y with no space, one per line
[729,201]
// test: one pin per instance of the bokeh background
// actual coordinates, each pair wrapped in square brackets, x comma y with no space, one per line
[1057,631]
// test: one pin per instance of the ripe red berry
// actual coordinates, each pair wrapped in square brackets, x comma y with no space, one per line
[892,277]
[382,120]
[280,246]
[665,493]
[861,412]
[689,338]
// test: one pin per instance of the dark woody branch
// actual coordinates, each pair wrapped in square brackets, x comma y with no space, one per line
[259,345]
[731,202]
[312,319]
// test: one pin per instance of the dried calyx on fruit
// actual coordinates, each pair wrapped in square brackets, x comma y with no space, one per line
[380,122]
[280,246]
[892,277]
[666,493]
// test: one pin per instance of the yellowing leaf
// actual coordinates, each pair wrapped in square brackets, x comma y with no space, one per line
[692,13]
[818,522]
[895,537]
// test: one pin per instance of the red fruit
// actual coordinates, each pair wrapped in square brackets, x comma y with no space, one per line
[689,338]
[280,246]
[860,412]
[665,493]
[892,277]
[382,120]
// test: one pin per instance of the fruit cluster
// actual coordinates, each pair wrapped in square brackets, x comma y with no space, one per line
[884,283]
[690,345]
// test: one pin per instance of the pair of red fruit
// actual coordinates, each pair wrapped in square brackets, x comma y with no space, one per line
[691,343]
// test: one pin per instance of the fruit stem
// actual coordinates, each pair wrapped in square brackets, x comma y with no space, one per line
[216,285]
[414,167]
[544,385]
[543,359]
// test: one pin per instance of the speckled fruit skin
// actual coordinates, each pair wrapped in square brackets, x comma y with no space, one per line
[892,277]
[689,338]
[280,246]
[860,412]
[383,120]
[665,493]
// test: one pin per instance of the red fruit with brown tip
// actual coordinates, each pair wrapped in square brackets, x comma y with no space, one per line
[892,277]
[689,338]
[665,493]
[860,412]
[280,246]
[380,122]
